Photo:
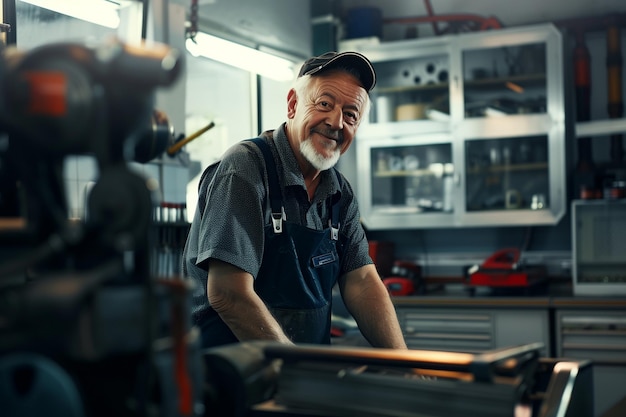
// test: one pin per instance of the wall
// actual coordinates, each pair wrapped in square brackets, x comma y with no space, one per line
[221,94]
[240,103]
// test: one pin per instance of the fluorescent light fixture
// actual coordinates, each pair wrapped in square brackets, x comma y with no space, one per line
[240,56]
[100,12]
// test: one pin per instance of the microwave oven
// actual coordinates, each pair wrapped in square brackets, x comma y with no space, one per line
[599,247]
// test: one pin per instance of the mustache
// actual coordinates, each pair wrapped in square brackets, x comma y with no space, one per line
[335,135]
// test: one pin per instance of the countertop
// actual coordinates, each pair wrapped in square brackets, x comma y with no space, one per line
[554,295]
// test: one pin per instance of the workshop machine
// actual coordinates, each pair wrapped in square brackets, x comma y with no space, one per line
[268,379]
[85,330]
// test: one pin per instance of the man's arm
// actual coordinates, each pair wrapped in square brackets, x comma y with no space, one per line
[367,299]
[231,294]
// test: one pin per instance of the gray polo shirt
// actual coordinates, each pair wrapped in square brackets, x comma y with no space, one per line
[233,210]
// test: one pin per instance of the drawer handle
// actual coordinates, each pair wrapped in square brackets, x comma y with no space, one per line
[586,346]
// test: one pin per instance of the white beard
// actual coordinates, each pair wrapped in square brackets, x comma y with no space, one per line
[320,162]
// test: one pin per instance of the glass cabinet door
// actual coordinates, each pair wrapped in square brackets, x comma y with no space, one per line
[507,173]
[406,182]
[505,80]
[412,178]
[410,89]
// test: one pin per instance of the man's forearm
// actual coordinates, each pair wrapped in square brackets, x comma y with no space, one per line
[249,319]
[231,294]
[371,307]
[379,324]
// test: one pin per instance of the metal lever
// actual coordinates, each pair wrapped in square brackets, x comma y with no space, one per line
[172,150]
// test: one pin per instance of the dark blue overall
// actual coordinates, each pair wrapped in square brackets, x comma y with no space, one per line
[300,266]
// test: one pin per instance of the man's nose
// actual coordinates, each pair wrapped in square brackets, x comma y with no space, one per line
[335,119]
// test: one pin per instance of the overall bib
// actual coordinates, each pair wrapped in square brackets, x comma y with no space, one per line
[300,266]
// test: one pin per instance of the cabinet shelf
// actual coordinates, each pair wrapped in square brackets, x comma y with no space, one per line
[509,168]
[528,80]
[443,87]
[406,173]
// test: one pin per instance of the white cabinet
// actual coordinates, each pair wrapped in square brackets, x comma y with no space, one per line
[465,130]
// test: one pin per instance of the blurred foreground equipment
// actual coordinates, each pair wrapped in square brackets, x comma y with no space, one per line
[84,329]
[269,379]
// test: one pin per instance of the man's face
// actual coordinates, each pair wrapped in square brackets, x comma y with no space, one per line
[324,118]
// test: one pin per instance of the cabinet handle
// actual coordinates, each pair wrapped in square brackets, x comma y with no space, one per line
[593,322]
[593,332]
[592,347]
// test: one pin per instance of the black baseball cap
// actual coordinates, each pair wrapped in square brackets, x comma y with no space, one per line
[353,60]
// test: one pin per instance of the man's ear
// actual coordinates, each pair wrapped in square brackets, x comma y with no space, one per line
[292,101]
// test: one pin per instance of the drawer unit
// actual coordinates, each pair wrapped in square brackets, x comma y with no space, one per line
[458,330]
[596,335]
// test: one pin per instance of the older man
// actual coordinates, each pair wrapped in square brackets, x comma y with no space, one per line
[277,226]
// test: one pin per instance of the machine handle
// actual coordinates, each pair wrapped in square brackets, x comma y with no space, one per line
[172,150]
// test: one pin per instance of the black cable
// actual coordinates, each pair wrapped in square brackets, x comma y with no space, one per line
[528,231]
[259,110]
[425,252]
[10,18]
[193,20]
[144,19]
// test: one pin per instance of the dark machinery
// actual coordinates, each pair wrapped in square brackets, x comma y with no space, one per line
[84,329]
[264,379]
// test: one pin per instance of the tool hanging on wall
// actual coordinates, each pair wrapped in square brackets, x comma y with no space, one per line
[614,88]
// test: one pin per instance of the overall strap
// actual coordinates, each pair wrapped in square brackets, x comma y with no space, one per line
[276,198]
[334,209]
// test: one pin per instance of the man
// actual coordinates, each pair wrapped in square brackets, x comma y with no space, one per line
[277,226]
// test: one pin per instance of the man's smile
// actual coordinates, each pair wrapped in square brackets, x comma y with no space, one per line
[329,134]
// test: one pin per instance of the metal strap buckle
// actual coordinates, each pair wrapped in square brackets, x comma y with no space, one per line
[334,231]
[277,220]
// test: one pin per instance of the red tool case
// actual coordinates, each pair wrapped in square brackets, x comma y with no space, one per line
[503,269]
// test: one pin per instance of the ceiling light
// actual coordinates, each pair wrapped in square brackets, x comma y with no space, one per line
[100,12]
[240,56]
